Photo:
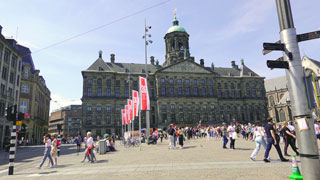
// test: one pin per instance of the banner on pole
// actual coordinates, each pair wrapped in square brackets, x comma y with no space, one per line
[144,94]
[127,114]
[123,112]
[130,110]
[135,99]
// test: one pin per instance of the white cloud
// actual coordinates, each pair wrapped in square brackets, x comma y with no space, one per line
[58,101]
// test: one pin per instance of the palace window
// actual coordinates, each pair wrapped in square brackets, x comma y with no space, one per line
[172,107]
[99,82]
[108,82]
[98,120]
[210,82]
[108,92]
[89,82]
[195,91]
[108,119]
[187,91]
[163,91]
[225,85]
[89,91]
[99,108]
[204,92]
[171,91]
[89,120]
[179,81]
[226,95]
[179,91]
[232,94]
[89,108]
[187,81]
[117,82]
[219,93]
[239,94]
[126,93]
[99,91]
[254,93]
[171,81]
[203,82]
[117,92]
[195,82]
[108,109]
[219,85]
[162,80]
[211,92]
[248,93]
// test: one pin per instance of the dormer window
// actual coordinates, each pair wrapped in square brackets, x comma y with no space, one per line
[143,71]
[101,69]
[127,70]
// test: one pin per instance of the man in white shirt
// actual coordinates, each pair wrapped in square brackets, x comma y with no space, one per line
[231,131]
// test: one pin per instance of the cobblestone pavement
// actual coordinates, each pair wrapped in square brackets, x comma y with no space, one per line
[200,159]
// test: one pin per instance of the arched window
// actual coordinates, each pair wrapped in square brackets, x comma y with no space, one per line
[172,45]
[181,47]
[271,101]
[281,95]
[282,116]
[99,82]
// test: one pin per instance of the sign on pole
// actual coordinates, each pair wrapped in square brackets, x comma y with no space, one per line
[144,95]
[123,112]
[130,110]
[127,112]
[135,99]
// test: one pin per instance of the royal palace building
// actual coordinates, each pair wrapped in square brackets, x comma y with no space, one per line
[181,90]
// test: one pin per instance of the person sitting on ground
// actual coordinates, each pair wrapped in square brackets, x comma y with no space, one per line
[109,144]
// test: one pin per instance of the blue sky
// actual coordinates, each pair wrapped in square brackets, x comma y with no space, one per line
[220,31]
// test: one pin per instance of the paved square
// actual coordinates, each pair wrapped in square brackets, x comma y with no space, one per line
[200,159]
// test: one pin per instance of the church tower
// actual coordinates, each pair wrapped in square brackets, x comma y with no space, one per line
[177,43]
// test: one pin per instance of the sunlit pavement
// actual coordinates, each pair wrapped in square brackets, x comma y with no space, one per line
[200,159]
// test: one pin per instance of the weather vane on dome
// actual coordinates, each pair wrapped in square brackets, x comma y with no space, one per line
[175,13]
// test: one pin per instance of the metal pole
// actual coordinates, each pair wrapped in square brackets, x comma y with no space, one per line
[145,52]
[13,141]
[139,129]
[307,142]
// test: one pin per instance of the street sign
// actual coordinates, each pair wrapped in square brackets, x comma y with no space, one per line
[273,46]
[308,36]
[277,64]
[26,116]
[19,123]
[264,52]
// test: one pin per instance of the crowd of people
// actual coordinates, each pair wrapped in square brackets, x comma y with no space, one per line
[271,134]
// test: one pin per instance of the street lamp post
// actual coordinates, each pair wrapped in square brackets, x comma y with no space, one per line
[146,43]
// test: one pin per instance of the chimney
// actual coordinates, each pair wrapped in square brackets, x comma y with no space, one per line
[233,65]
[201,62]
[152,60]
[112,58]
[0,29]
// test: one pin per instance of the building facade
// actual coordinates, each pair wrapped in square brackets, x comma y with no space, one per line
[10,67]
[181,90]
[34,100]
[70,119]
[279,107]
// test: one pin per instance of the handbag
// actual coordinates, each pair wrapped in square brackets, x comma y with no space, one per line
[234,135]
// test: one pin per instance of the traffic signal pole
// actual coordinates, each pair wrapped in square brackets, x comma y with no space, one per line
[308,147]
[13,141]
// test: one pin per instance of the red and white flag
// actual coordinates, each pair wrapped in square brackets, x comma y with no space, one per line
[127,114]
[144,94]
[130,110]
[123,112]
[135,99]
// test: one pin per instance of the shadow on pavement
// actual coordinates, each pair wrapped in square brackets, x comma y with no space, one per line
[245,149]
[189,147]
[101,161]
[50,172]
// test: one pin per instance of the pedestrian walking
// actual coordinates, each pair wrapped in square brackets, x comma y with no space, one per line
[224,131]
[272,139]
[289,139]
[47,151]
[171,133]
[77,141]
[232,135]
[258,136]
[317,129]
[54,150]
[181,138]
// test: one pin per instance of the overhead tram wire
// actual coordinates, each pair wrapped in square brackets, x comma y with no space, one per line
[99,27]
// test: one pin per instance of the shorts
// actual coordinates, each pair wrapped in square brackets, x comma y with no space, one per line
[318,136]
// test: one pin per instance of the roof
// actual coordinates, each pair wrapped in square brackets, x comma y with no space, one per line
[275,83]
[27,58]
[131,67]
[101,65]
[175,27]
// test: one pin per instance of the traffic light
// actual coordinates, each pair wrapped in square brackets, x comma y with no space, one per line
[8,113]
[21,116]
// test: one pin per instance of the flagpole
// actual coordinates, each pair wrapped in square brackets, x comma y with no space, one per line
[139,128]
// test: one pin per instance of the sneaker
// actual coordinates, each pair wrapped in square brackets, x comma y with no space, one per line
[284,160]
[266,160]
[286,154]
[38,167]
[252,158]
